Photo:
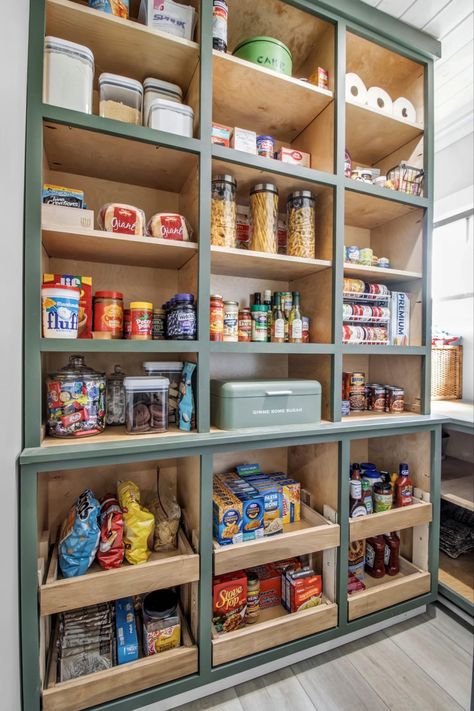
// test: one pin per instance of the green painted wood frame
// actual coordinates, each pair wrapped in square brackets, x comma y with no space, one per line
[346,15]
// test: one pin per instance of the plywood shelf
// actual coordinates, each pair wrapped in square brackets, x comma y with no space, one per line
[390,590]
[247,263]
[275,627]
[165,569]
[386,276]
[109,248]
[262,100]
[458,574]
[117,435]
[369,210]
[457,483]
[105,686]
[372,135]
[396,519]
[313,533]
[150,53]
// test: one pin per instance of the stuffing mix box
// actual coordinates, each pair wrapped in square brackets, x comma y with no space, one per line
[236,404]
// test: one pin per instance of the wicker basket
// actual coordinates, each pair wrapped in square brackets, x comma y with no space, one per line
[446,372]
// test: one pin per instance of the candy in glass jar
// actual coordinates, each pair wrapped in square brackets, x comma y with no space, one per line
[116,397]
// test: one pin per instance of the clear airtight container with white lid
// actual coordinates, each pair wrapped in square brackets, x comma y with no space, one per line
[146,404]
[172,117]
[68,75]
[120,98]
[159,89]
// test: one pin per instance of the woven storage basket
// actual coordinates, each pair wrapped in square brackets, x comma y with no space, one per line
[446,372]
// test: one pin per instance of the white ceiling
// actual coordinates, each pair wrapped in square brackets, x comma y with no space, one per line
[452,22]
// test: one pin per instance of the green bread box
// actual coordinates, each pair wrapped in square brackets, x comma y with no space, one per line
[238,404]
[267,52]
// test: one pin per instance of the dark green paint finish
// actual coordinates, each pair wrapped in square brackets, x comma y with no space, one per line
[454,597]
[356,186]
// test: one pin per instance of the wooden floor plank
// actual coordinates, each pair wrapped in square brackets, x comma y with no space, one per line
[441,658]
[333,684]
[226,700]
[410,688]
[448,625]
[281,690]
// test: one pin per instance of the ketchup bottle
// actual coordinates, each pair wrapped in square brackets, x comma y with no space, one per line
[374,556]
[392,553]
[404,487]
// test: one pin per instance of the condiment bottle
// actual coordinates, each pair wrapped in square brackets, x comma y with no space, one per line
[392,553]
[375,556]
[404,487]
[216,318]
[220,14]
[356,504]
[295,323]
[278,320]
[253,598]
[367,496]
[355,471]
[267,300]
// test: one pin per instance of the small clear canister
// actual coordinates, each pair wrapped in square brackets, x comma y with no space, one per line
[223,211]
[264,218]
[301,224]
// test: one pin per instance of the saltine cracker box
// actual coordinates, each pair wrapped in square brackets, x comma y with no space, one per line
[237,404]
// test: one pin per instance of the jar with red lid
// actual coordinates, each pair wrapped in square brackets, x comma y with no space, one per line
[108,313]
[141,317]
[216,318]
[245,325]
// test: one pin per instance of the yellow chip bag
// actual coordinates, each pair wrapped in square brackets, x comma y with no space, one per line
[138,523]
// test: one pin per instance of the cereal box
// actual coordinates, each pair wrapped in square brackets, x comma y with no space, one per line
[229,601]
[227,517]
[84,283]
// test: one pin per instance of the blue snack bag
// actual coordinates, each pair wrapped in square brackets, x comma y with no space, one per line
[186,397]
[79,536]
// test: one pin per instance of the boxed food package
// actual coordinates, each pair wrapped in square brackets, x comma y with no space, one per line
[400,319]
[291,491]
[243,140]
[66,217]
[270,585]
[282,234]
[227,516]
[320,78]
[229,601]
[220,134]
[290,155]
[62,197]
[243,227]
[252,503]
[356,559]
[174,18]
[126,630]
[305,592]
[273,504]
[84,283]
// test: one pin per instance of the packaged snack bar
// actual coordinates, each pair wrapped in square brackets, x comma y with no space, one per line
[186,398]
[138,523]
[79,536]
[111,546]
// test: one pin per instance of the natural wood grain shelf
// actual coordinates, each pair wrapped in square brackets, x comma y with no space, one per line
[386,276]
[275,627]
[371,211]
[457,483]
[372,416]
[390,590]
[150,53]
[101,687]
[165,569]
[112,435]
[372,135]
[110,248]
[313,533]
[262,100]
[396,519]
[458,574]
[247,263]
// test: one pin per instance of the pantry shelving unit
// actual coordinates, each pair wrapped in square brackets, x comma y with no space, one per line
[114,161]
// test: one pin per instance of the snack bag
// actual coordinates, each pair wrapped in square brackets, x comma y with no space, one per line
[79,536]
[111,546]
[186,398]
[138,523]
[167,515]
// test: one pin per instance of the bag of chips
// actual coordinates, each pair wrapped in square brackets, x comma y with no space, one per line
[79,536]
[111,546]
[138,523]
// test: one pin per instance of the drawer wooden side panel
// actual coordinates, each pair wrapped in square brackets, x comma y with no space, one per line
[394,520]
[388,594]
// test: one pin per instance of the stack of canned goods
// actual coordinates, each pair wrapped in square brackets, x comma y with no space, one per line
[364,256]
[358,396]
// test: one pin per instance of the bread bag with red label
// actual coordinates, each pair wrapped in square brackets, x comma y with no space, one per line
[121,218]
[169,225]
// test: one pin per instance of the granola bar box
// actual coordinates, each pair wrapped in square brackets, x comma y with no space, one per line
[229,601]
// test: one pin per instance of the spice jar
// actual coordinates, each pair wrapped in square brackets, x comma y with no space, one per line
[223,211]
[253,598]
[159,325]
[146,404]
[231,321]
[383,496]
[264,218]
[161,621]
[116,397]
[301,224]
[120,98]
[76,400]
[216,318]
[245,325]
[181,320]
[259,323]
[108,313]
[141,317]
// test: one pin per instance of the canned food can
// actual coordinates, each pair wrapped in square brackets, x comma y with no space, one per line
[383,262]
[265,146]
[366,255]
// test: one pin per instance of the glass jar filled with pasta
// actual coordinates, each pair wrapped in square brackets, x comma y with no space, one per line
[223,211]
[301,224]
[264,218]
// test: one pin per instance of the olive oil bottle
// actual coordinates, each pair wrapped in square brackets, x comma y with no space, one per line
[295,322]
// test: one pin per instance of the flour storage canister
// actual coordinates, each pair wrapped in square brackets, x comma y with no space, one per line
[68,74]
[237,404]
[159,89]
[120,98]
[165,115]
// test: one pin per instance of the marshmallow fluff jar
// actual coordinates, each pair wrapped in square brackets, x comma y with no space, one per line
[68,75]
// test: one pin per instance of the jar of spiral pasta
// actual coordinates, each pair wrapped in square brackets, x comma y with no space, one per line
[223,211]
[264,218]
[301,224]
